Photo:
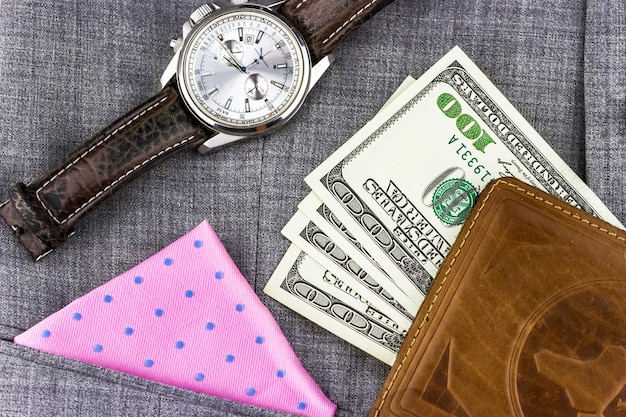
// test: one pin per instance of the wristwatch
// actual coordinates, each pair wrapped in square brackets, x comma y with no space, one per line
[240,69]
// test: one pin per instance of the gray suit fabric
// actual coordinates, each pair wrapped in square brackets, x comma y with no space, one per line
[69,68]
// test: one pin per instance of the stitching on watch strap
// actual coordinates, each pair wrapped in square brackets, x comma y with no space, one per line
[300,4]
[114,183]
[343,26]
[426,318]
[91,149]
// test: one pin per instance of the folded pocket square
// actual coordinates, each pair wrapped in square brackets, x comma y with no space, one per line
[188,318]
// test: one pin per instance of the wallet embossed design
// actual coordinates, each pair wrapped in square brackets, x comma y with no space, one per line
[526,317]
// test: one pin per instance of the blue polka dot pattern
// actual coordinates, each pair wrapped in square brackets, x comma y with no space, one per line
[188,318]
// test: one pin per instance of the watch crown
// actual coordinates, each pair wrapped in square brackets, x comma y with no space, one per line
[200,13]
[176,44]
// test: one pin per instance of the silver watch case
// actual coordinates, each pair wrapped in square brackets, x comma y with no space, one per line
[198,21]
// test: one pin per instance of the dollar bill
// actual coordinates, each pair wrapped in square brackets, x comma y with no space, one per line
[323,218]
[405,183]
[406,83]
[299,283]
[359,268]
[347,273]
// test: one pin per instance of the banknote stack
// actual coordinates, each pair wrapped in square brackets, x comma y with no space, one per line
[385,208]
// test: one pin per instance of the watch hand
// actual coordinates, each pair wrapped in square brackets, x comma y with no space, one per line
[256,87]
[260,58]
[233,63]
[256,61]
[232,60]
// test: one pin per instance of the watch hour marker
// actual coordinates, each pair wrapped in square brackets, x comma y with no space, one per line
[247,106]
[280,66]
[269,105]
[220,37]
[213,90]
[240,30]
[277,84]
[228,103]
[259,36]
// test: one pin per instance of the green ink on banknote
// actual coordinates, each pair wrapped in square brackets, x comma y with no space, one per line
[467,125]
[452,201]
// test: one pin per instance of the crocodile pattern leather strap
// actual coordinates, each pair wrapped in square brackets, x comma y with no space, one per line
[325,24]
[44,212]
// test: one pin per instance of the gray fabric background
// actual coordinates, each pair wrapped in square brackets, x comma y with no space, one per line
[70,67]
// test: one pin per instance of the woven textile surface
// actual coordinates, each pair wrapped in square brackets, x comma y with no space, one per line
[69,68]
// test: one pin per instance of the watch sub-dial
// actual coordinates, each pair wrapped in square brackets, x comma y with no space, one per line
[235,48]
[256,86]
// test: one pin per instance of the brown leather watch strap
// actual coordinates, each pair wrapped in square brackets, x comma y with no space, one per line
[326,23]
[44,212]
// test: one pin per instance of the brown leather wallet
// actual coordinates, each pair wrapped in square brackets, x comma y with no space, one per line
[526,317]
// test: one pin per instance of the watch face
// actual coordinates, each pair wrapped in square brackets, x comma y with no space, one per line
[244,70]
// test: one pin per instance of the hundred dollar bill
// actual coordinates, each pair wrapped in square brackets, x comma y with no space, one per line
[404,184]
[297,283]
[406,83]
[320,214]
[348,274]
[401,304]
[330,284]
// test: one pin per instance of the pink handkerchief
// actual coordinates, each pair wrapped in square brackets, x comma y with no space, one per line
[186,317]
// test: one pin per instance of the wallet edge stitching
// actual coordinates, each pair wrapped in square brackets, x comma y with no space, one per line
[453,261]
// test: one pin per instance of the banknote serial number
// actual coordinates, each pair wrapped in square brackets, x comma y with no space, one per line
[470,160]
